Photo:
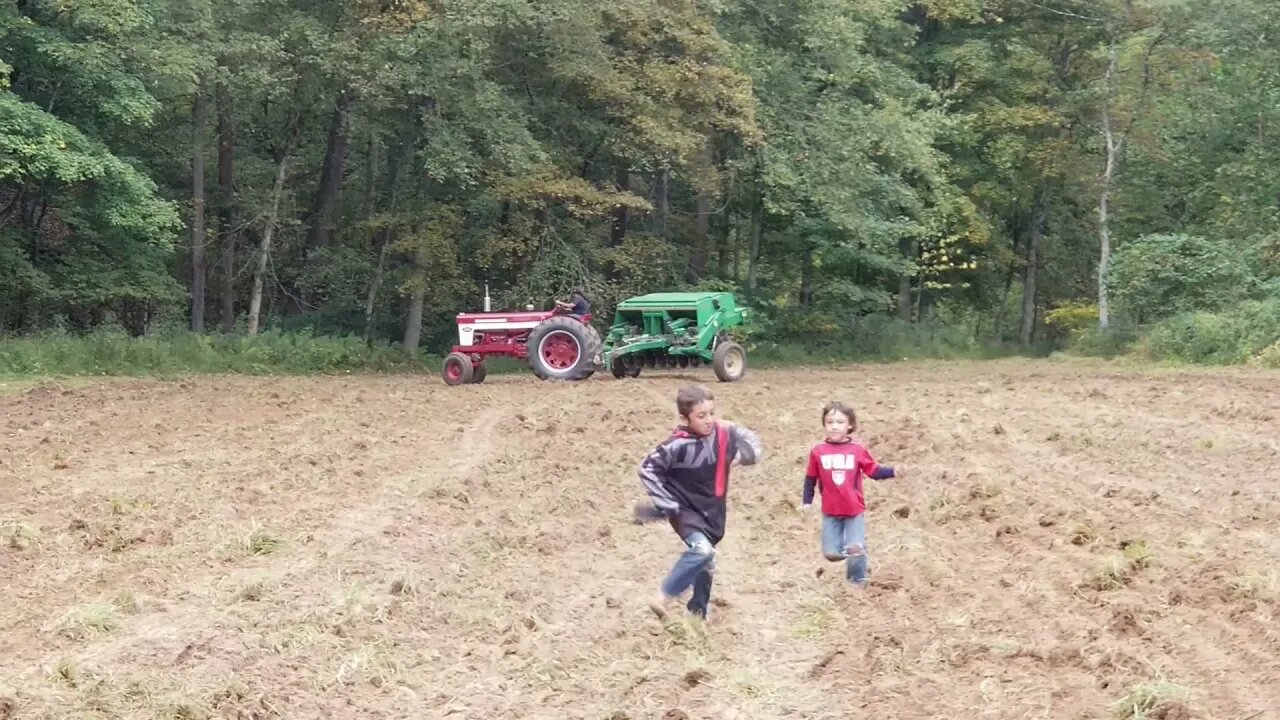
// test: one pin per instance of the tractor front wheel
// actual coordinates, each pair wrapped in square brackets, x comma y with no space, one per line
[479,373]
[562,348]
[458,369]
[729,362]
[621,371]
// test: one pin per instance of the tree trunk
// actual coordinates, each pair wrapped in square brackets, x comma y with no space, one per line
[413,323]
[1112,148]
[664,195]
[724,217]
[618,220]
[905,246]
[701,235]
[383,238]
[1114,140]
[1035,239]
[618,229]
[370,170]
[197,211]
[924,301]
[329,190]
[806,275]
[226,210]
[1002,314]
[753,250]
[1018,227]
[701,222]
[374,286]
[264,250]
[723,249]
[736,233]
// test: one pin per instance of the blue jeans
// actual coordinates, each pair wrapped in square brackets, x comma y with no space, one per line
[694,567]
[845,538]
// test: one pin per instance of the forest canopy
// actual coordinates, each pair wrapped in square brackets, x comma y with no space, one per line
[1017,169]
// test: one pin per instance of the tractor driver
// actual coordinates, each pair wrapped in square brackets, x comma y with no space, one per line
[577,306]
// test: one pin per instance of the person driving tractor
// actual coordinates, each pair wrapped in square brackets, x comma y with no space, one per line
[578,306]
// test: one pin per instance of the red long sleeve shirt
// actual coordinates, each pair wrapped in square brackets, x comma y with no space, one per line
[837,469]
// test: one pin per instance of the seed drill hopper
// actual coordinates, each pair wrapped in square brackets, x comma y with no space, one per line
[680,330]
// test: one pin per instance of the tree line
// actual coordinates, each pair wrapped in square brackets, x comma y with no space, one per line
[1018,167]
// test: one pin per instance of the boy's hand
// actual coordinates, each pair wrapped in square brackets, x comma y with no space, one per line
[646,513]
[900,472]
[806,508]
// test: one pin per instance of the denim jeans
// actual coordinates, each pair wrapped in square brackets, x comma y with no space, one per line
[845,538]
[694,567]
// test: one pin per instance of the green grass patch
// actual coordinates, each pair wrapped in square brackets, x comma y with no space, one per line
[173,352]
[177,352]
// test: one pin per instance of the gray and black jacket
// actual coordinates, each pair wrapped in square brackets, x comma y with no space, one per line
[687,477]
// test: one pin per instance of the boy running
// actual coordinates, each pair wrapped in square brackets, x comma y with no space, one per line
[687,479]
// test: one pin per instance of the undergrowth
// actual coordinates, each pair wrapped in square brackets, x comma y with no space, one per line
[112,352]
[1245,334]
[879,339]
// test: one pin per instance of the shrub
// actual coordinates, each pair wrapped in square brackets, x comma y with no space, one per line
[1158,276]
[1249,330]
[1096,342]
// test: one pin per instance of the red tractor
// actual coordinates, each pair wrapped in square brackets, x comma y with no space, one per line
[556,345]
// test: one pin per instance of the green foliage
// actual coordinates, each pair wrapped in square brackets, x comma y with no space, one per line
[84,227]
[111,197]
[575,195]
[1157,276]
[850,163]
[870,175]
[1072,317]
[643,264]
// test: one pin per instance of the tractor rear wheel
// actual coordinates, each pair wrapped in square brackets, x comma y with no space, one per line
[729,361]
[562,348]
[458,369]
[597,342]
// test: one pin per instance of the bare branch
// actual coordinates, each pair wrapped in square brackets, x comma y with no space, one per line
[1065,13]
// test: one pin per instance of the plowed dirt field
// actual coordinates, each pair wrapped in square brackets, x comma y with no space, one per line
[1070,537]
